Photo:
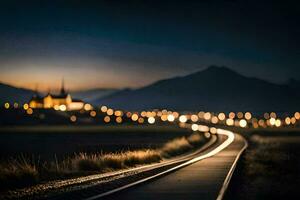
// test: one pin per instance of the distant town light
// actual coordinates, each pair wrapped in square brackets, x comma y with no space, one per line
[164,117]
[207,116]
[248,116]
[29,111]
[63,107]
[110,112]
[278,123]
[119,120]
[171,118]
[106,119]
[151,120]
[16,105]
[207,134]
[273,115]
[229,122]
[56,107]
[243,123]
[272,121]
[231,115]
[25,106]
[287,121]
[240,115]
[6,105]
[214,120]
[103,109]
[93,113]
[141,120]
[134,117]
[221,116]
[183,119]
[195,127]
[194,118]
[297,115]
[73,118]
[87,107]
[213,130]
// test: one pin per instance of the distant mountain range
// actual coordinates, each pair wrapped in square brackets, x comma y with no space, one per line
[13,94]
[92,95]
[215,89]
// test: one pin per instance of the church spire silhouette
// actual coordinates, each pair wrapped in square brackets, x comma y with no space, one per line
[62,90]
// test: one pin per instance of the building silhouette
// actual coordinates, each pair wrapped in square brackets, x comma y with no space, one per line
[62,101]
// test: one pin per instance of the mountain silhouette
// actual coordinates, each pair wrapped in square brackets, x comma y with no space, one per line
[13,94]
[214,89]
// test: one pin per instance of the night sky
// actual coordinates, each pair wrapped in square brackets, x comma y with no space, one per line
[117,44]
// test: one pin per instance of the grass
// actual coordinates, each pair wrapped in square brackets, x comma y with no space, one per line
[24,171]
[269,169]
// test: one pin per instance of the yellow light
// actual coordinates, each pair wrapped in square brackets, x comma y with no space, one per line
[6,105]
[272,121]
[151,120]
[73,118]
[87,107]
[278,123]
[194,118]
[229,122]
[207,134]
[287,121]
[195,127]
[143,113]
[119,120]
[164,117]
[25,106]
[293,120]
[243,123]
[93,113]
[56,107]
[134,117]
[213,130]
[171,118]
[183,119]
[203,128]
[104,109]
[297,115]
[63,107]
[110,112]
[201,114]
[118,113]
[29,111]
[214,120]
[207,116]
[106,119]
[221,116]
[248,116]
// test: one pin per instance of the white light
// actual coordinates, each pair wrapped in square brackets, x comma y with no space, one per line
[171,118]
[182,118]
[195,127]
[151,120]
[243,123]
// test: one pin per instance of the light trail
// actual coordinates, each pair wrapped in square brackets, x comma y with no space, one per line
[226,143]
